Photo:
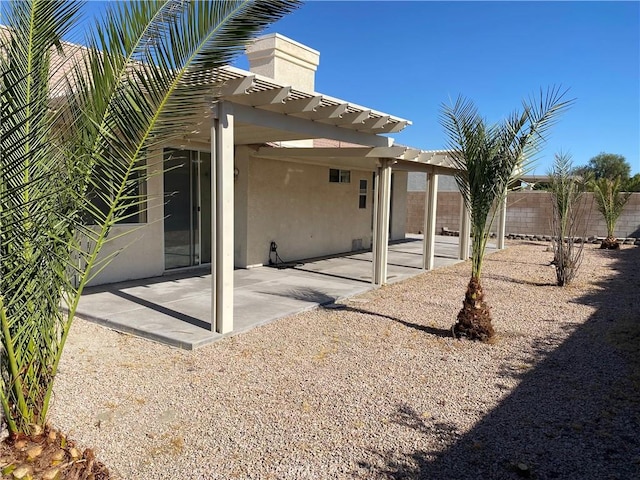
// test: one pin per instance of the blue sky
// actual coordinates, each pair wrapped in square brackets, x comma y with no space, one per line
[407,58]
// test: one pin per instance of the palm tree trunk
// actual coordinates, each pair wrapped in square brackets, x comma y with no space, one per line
[610,243]
[474,319]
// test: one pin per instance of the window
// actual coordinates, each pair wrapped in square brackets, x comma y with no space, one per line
[362,197]
[339,176]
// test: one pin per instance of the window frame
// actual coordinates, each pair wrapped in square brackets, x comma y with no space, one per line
[362,194]
[337,175]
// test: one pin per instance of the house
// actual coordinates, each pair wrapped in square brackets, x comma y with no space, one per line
[272,165]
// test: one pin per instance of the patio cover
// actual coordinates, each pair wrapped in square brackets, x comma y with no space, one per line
[249,109]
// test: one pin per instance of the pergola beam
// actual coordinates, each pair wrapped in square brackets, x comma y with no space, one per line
[302,105]
[395,128]
[306,128]
[415,166]
[267,97]
[411,154]
[330,111]
[237,86]
[377,123]
[352,118]
[387,152]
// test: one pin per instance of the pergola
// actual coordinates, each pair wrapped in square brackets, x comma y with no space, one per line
[250,109]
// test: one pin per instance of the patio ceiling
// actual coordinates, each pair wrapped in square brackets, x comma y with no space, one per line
[364,158]
[268,111]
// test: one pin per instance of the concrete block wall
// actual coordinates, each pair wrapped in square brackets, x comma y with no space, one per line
[415,212]
[629,223]
[448,212]
[528,213]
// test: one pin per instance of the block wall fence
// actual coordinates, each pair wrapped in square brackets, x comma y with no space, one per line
[528,213]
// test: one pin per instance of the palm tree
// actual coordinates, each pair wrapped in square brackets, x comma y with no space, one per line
[566,193]
[487,158]
[610,200]
[143,67]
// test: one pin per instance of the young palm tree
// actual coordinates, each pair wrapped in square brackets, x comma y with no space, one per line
[487,158]
[610,200]
[566,192]
[85,135]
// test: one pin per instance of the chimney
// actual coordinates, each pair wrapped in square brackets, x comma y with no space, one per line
[286,61]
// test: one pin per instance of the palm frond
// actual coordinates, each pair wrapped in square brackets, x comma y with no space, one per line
[70,143]
[143,66]
[567,215]
[489,157]
[32,233]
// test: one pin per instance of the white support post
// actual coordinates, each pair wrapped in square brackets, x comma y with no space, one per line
[502,222]
[430,206]
[465,222]
[222,213]
[376,220]
[382,202]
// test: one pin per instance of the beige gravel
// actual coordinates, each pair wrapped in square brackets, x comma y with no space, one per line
[380,389]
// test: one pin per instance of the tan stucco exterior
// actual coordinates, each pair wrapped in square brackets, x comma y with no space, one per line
[290,203]
[144,255]
[296,206]
[276,56]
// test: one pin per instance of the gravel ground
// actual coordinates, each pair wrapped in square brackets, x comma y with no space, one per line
[380,389]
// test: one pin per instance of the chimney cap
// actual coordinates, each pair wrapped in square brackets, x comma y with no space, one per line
[275,40]
[285,60]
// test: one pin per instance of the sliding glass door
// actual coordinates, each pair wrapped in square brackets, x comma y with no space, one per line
[187,208]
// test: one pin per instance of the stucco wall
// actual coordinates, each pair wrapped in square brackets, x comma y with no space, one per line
[144,253]
[240,200]
[296,206]
[527,213]
[292,204]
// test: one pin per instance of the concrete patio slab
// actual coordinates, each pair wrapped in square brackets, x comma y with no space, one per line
[176,309]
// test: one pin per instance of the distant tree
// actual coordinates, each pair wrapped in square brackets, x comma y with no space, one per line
[606,165]
[608,176]
[633,185]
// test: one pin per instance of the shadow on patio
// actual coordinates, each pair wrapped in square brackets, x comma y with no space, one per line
[583,426]
[176,308]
